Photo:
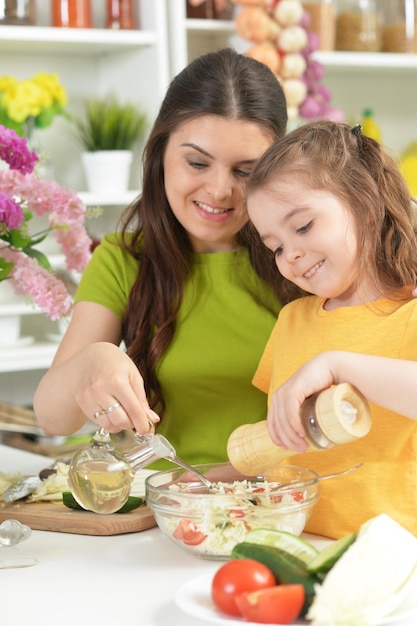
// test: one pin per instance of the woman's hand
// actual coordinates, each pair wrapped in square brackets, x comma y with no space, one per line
[110,390]
[92,378]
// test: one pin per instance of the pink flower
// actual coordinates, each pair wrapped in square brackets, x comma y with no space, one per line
[14,150]
[11,213]
[76,245]
[46,291]
[22,195]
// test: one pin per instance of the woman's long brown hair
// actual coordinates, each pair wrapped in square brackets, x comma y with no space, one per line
[222,83]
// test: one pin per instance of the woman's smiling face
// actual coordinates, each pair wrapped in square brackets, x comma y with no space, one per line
[206,163]
[312,234]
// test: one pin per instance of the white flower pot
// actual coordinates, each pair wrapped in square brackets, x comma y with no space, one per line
[107,171]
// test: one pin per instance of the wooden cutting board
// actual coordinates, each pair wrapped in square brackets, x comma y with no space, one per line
[57,517]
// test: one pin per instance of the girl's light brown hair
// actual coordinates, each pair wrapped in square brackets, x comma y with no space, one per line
[361,173]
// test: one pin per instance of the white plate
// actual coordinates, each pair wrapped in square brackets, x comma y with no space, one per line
[194,598]
[22,342]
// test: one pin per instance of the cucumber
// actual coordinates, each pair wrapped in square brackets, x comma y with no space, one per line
[287,568]
[131,503]
[285,540]
[324,561]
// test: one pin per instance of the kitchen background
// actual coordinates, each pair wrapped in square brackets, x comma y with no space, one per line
[137,64]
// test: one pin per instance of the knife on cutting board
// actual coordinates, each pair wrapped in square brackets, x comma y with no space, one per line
[26,486]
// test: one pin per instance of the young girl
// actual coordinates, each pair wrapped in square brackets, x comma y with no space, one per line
[191,294]
[333,208]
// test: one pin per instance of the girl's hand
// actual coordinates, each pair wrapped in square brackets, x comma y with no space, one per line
[110,390]
[283,421]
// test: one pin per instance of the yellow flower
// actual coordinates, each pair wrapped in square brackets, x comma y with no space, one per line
[24,100]
[6,82]
[37,100]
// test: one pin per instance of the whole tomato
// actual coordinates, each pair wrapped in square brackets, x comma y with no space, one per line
[236,577]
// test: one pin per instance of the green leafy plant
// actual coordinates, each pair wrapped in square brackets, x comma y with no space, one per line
[110,125]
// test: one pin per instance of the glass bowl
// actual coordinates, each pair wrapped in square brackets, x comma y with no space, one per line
[209,524]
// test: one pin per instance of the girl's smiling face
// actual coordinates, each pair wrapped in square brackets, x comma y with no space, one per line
[206,164]
[312,235]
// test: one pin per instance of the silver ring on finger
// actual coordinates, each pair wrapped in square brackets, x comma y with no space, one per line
[112,408]
[98,414]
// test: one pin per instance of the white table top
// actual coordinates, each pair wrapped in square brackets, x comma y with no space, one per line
[128,580]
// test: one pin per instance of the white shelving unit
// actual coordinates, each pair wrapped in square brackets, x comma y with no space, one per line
[96,199]
[366,61]
[15,39]
[385,82]
[188,38]
[110,206]
[90,62]
[138,65]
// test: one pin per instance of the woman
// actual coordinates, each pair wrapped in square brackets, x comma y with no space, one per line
[187,285]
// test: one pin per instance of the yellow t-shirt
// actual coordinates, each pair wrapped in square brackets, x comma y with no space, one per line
[388,480]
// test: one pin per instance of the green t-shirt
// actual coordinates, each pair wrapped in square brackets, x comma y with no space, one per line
[221,332]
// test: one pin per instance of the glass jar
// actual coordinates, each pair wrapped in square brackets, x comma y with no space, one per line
[322,20]
[200,10]
[71,13]
[223,9]
[210,9]
[120,15]
[18,12]
[358,26]
[399,30]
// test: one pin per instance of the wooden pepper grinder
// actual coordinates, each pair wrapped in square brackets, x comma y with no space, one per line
[337,415]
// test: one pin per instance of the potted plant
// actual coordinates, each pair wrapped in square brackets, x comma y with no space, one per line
[108,132]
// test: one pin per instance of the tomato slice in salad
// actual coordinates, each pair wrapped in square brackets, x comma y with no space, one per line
[281,604]
[187,532]
[297,496]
